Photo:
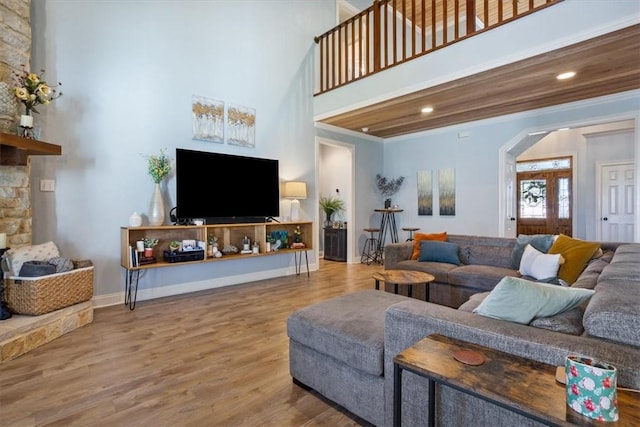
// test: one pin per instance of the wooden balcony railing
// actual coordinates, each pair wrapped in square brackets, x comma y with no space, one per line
[391,32]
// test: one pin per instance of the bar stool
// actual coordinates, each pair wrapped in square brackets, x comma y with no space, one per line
[410,230]
[370,251]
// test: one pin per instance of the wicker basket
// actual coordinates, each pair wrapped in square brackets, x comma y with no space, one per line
[40,295]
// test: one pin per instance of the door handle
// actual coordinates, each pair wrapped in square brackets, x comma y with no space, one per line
[512,219]
[605,219]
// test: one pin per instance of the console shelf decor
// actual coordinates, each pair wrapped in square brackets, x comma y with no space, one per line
[226,235]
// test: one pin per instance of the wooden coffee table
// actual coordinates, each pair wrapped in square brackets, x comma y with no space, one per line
[518,384]
[404,277]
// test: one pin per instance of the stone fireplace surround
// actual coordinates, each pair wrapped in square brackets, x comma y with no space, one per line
[21,333]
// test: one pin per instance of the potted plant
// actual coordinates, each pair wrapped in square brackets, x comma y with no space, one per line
[330,205]
[32,90]
[270,241]
[149,244]
[174,245]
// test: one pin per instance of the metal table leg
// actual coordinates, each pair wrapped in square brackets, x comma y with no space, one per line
[132,278]
[299,261]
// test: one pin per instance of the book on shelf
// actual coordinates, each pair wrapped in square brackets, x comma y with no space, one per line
[133,257]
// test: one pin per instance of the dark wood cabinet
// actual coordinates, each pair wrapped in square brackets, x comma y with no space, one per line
[335,244]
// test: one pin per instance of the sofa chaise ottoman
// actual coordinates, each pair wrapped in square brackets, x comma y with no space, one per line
[336,347]
[344,347]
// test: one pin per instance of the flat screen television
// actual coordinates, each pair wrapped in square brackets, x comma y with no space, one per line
[225,188]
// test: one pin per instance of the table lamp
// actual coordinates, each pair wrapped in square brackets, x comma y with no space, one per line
[295,190]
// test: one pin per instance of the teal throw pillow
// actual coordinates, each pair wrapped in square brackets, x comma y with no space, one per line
[435,251]
[521,301]
[541,242]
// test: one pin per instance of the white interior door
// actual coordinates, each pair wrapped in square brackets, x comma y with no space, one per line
[510,195]
[617,193]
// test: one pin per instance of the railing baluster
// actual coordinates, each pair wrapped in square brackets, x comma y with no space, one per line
[336,61]
[413,28]
[456,18]
[471,16]
[353,49]
[445,6]
[386,35]
[433,24]
[367,37]
[346,53]
[424,27]
[322,85]
[404,31]
[486,13]
[395,41]
[360,47]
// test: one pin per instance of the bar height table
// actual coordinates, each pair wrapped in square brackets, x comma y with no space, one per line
[387,225]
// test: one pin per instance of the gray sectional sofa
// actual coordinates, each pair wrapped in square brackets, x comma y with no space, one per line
[484,262]
[344,347]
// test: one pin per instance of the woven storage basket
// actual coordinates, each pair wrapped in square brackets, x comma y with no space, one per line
[40,295]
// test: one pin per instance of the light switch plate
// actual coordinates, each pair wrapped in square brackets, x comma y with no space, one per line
[47,185]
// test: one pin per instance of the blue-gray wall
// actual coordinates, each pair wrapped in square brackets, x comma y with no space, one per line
[129,70]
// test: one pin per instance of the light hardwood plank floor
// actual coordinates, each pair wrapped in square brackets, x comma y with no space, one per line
[212,358]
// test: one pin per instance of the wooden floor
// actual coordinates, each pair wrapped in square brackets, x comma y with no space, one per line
[212,358]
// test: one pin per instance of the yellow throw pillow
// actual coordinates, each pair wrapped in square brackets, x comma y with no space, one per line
[419,237]
[576,254]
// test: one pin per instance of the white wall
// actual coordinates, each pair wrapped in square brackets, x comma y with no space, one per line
[334,174]
[129,70]
[476,163]
[602,146]
[368,160]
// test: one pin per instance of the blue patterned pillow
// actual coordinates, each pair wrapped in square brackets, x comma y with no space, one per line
[435,251]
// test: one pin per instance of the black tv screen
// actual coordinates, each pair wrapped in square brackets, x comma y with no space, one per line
[226,188]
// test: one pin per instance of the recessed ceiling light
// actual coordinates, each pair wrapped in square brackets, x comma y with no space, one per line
[566,75]
[365,130]
[427,110]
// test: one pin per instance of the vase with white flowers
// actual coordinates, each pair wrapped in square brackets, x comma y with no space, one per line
[32,90]
[159,167]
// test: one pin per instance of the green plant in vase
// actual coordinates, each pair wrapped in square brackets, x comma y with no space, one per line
[174,245]
[331,205]
[149,244]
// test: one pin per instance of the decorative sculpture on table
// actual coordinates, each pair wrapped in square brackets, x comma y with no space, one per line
[388,187]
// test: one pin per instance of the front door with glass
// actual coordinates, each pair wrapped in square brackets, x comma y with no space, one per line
[544,196]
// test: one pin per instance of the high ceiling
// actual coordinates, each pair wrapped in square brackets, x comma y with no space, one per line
[604,65]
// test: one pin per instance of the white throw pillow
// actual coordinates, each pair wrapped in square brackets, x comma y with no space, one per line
[42,252]
[538,265]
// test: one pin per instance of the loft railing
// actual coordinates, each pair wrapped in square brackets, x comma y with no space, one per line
[391,32]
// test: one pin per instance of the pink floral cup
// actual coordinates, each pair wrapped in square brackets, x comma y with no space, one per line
[591,388]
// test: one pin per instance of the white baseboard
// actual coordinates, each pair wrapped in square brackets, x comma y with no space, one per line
[183,288]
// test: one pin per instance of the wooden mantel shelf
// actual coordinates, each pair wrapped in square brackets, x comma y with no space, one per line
[14,150]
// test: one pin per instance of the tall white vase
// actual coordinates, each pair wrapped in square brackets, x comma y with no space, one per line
[156,209]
